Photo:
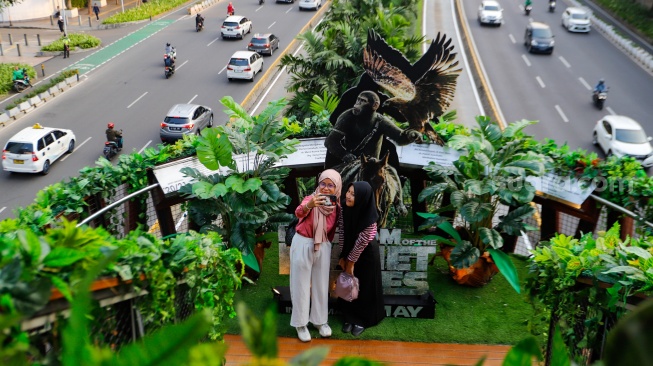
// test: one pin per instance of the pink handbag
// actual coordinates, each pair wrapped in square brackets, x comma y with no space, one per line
[347,287]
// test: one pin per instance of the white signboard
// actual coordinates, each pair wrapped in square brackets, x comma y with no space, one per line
[567,189]
[422,154]
[309,152]
[171,179]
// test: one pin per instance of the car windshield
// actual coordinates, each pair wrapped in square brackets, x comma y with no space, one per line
[259,41]
[630,136]
[19,147]
[491,8]
[580,16]
[541,33]
[176,120]
[230,24]
[238,62]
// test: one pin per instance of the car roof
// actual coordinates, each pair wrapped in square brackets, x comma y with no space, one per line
[182,110]
[28,134]
[573,9]
[234,18]
[242,54]
[538,25]
[261,35]
[490,2]
[623,122]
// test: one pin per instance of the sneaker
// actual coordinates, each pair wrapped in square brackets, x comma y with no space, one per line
[303,334]
[325,330]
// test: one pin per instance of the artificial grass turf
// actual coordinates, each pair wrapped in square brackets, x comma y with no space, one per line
[494,314]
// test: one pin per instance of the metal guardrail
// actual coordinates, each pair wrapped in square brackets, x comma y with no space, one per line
[622,210]
[114,204]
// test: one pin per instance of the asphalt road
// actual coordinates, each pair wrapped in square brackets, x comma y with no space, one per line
[131,89]
[556,89]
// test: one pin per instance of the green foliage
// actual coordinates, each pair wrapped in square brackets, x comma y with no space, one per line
[317,125]
[7,72]
[557,265]
[632,12]
[245,192]
[333,57]
[81,40]
[41,88]
[144,11]
[492,171]
[326,103]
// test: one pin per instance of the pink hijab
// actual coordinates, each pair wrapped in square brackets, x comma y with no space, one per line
[320,214]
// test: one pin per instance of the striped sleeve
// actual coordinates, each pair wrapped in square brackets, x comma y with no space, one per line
[341,233]
[364,238]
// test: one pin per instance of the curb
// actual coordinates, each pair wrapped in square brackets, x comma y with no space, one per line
[264,80]
[9,116]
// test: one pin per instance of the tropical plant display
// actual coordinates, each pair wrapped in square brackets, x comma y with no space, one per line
[144,11]
[332,61]
[557,266]
[77,40]
[32,264]
[245,194]
[491,172]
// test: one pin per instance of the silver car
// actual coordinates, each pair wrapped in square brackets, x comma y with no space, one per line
[184,119]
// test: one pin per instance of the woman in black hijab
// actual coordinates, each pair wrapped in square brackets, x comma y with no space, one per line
[359,255]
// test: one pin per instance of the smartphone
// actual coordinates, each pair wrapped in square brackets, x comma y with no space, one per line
[331,199]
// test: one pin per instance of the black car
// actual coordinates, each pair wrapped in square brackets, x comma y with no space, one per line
[263,43]
[538,38]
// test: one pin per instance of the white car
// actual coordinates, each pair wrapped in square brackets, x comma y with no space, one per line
[310,4]
[34,149]
[576,20]
[622,136]
[244,65]
[490,12]
[235,26]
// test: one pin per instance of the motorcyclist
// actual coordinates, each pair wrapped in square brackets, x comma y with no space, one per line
[528,3]
[20,74]
[114,135]
[230,9]
[199,19]
[169,61]
[600,87]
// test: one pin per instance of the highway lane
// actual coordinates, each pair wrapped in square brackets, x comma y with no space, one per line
[556,89]
[132,91]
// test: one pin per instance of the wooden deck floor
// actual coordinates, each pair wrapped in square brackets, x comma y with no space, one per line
[391,353]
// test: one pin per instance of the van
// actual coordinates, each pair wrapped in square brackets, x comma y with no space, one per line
[35,148]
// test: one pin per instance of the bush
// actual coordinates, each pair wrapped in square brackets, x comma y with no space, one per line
[79,3]
[41,88]
[6,75]
[81,40]
[144,11]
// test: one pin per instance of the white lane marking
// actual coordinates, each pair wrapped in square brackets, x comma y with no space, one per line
[76,148]
[2,209]
[210,43]
[539,80]
[222,70]
[585,84]
[183,17]
[145,147]
[562,114]
[562,59]
[512,39]
[273,23]
[192,99]
[179,67]
[137,99]
[528,63]
[612,112]
[289,9]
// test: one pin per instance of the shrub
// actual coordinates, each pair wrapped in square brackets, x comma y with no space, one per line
[81,40]
[41,88]
[6,75]
[144,11]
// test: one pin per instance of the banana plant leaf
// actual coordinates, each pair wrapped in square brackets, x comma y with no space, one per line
[506,267]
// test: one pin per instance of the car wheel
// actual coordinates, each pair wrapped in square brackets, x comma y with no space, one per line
[595,138]
[229,79]
[530,49]
[608,154]
[210,121]
[46,168]
[71,146]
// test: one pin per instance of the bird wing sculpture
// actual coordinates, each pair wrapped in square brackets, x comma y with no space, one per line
[421,96]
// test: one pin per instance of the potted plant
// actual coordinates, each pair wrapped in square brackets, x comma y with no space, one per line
[245,195]
[491,172]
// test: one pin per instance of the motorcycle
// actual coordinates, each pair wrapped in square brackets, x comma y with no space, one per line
[199,26]
[599,98]
[527,9]
[111,149]
[232,12]
[169,71]
[260,2]
[552,6]
[22,84]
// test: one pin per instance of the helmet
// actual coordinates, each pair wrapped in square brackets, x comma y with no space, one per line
[601,81]
[110,125]
[168,44]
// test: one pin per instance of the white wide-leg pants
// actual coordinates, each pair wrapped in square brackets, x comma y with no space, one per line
[309,281]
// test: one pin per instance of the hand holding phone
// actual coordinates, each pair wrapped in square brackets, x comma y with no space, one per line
[330,199]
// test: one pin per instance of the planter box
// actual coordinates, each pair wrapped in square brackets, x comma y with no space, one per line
[99,3]
[25,107]
[54,90]
[4,118]
[71,80]
[13,112]
[63,86]
[35,101]
[45,96]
